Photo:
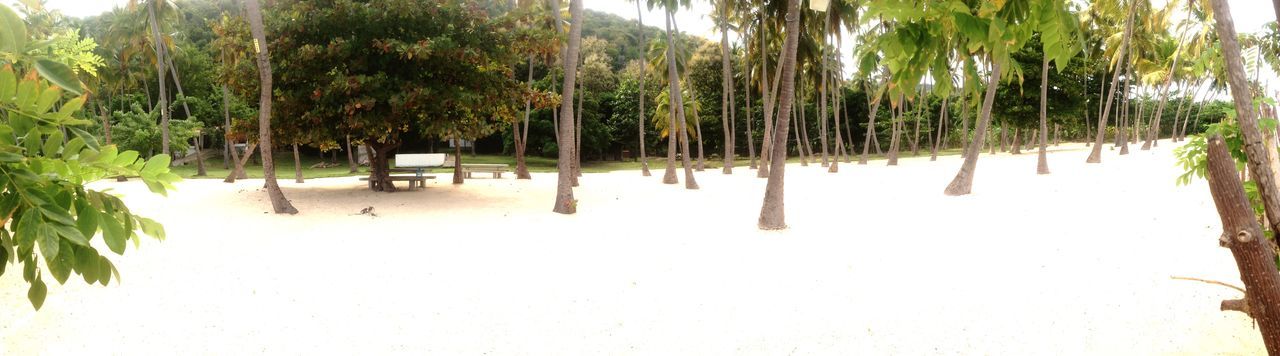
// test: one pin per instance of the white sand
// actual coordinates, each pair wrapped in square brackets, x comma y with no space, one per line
[877,261]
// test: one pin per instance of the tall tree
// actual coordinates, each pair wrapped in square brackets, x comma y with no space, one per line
[565,203]
[644,159]
[772,212]
[727,108]
[279,203]
[1095,156]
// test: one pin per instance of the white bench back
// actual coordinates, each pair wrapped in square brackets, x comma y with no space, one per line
[417,160]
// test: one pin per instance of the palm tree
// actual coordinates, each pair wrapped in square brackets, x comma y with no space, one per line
[772,212]
[669,8]
[724,9]
[644,159]
[565,203]
[279,203]
[1096,155]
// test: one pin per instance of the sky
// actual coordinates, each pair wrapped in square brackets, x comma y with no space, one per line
[1249,15]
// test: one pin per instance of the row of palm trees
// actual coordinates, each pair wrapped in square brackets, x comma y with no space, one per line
[978,38]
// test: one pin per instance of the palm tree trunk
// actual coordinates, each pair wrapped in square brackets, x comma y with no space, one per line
[767,98]
[200,171]
[1042,161]
[644,158]
[565,203]
[697,124]
[1095,156]
[177,83]
[279,203]
[962,184]
[746,89]
[840,147]
[772,212]
[822,99]
[726,78]
[677,100]
[920,109]
[577,131]
[158,43]
[519,137]
[942,127]
[871,127]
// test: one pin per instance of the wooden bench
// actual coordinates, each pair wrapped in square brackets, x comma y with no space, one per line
[496,169]
[414,180]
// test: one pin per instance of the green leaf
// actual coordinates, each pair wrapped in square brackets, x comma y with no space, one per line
[87,264]
[126,158]
[32,142]
[46,100]
[107,155]
[157,164]
[61,267]
[71,234]
[151,228]
[113,233]
[13,32]
[53,144]
[8,82]
[71,107]
[47,238]
[59,74]
[37,291]
[9,157]
[86,219]
[73,147]
[106,270]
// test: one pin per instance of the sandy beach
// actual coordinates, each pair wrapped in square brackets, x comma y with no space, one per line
[876,261]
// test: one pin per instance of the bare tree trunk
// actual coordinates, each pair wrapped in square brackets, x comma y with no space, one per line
[520,137]
[279,203]
[158,43]
[1123,134]
[351,159]
[677,100]
[577,131]
[297,166]
[644,158]
[942,127]
[200,172]
[1095,156]
[1253,252]
[822,97]
[772,212]
[565,203]
[962,184]
[238,171]
[840,147]
[697,124]
[871,128]
[728,107]
[1042,161]
[922,107]
[746,88]
[177,83]
[767,100]
[458,176]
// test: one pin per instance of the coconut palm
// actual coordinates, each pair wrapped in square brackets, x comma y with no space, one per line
[565,204]
[772,212]
[279,203]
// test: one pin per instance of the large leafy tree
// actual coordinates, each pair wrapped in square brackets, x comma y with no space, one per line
[378,70]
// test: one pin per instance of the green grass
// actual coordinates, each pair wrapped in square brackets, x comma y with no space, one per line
[284,165]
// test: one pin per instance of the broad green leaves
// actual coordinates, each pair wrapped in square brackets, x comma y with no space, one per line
[14,47]
[13,32]
[51,216]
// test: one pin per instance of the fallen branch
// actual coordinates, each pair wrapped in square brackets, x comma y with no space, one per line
[1209,282]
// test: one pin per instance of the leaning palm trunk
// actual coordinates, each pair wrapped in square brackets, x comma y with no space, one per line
[279,203]
[822,101]
[1153,131]
[565,203]
[772,212]
[962,184]
[678,101]
[1095,156]
[1254,253]
[871,128]
[942,127]
[238,171]
[840,149]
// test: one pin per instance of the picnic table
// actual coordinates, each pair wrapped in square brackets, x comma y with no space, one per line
[416,163]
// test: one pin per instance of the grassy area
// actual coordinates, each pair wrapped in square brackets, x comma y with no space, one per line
[284,165]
